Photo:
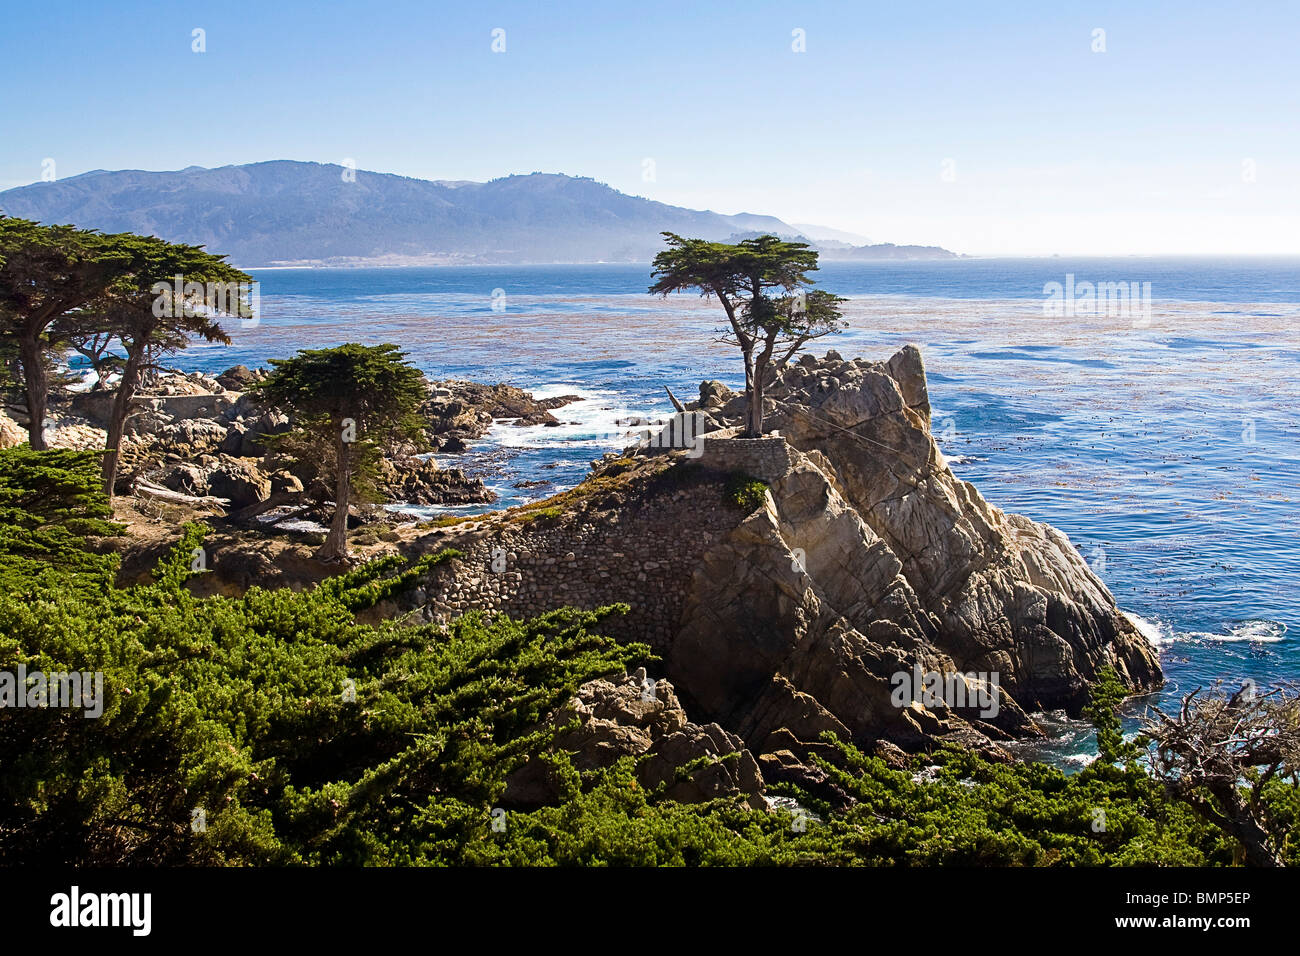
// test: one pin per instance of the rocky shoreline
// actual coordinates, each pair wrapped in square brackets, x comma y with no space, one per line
[782,618]
[778,615]
[200,439]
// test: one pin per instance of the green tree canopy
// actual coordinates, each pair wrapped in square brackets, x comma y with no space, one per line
[61,285]
[162,297]
[759,283]
[46,273]
[354,399]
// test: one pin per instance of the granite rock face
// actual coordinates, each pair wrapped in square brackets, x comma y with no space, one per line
[639,717]
[867,591]
[871,559]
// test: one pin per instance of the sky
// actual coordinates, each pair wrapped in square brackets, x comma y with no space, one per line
[997,128]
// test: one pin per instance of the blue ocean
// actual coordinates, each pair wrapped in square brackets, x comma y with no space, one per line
[1164,440]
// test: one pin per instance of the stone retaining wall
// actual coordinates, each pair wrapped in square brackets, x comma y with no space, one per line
[766,458]
[644,556]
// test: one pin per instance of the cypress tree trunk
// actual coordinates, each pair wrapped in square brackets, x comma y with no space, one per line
[117,419]
[38,389]
[335,547]
[754,427]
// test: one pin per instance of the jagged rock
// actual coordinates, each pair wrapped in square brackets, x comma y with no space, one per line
[1009,595]
[893,755]
[187,478]
[634,717]
[11,433]
[240,480]
[235,441]
[459,412]
[170,382]
[270,422]
[784,766]
[147,424]
[239,377]
[190,438]
[421,481]
[452,444]
[541,417]
[870,560]
[799,619]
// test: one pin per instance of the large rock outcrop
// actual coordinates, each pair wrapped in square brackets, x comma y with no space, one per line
[871,559]
[867,591]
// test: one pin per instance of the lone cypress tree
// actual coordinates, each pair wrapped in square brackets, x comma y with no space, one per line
[355,399]
[759,283]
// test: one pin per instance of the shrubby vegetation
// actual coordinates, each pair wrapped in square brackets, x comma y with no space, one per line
[305,736]
[745,492]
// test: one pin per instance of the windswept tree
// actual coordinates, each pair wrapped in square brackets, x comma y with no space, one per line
[164,295]
[46,274]
[1235,760]
[760,285]
[355,400]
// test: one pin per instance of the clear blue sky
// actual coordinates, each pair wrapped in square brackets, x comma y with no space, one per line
[1053,148]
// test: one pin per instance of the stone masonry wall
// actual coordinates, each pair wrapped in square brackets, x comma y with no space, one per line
[766,458]
[642,555]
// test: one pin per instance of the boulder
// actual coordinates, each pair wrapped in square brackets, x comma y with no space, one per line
[235,442]
[714,395]
[188,479]
[240,480]
[190,438]
[633,716]
[238,378]
[271,422]
[285,482]
[11,433]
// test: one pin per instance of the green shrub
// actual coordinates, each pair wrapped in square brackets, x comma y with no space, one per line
[745,492]
[543,516]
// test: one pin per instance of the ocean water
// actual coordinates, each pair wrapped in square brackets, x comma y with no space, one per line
[1164,441]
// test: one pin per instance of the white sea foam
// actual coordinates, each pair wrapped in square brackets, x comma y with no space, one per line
[1157,633]
[1160,634]
[594,421]
[1263,632]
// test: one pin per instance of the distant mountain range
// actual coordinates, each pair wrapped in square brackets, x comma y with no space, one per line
[295,213]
